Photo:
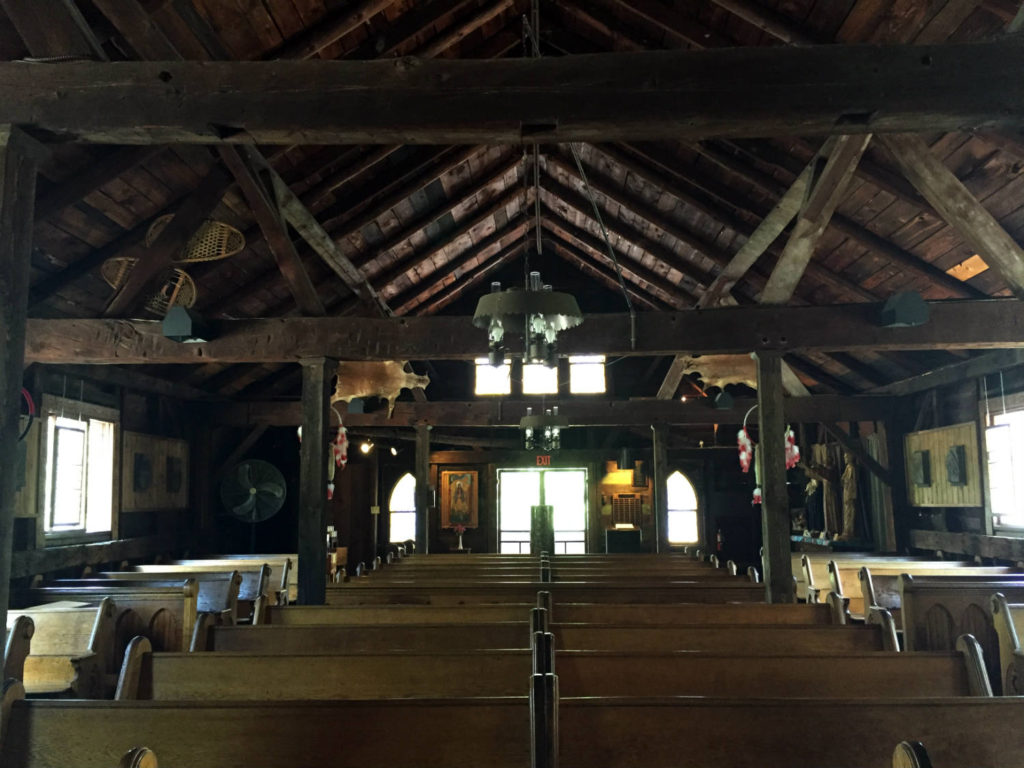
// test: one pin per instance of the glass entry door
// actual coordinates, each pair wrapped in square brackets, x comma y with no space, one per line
[521,490]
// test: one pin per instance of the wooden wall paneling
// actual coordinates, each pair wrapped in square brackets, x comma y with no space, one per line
[938,443]
[158,451]
[26,498]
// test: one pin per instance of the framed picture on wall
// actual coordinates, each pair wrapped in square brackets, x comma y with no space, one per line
[460,498]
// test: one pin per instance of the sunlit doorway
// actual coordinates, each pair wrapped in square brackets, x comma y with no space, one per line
[522,493]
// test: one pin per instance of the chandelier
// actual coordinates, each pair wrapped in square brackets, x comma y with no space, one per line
[536,311]
[543,430]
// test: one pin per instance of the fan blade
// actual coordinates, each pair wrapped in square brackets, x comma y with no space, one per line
[272,488]
[245,507]
[245,476]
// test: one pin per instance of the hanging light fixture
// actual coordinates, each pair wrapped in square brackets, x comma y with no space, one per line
[542,431]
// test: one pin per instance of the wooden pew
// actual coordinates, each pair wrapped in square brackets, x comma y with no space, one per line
[386,675]
[667,733]
[566,613]
[490,733]
[259,581]
[495,733]
[1009,623]
[73,649]
[425,594]
[750,639]
[284,571]
[238,604]
[17,646]
[846,579]
[937,609]
[817,574]
[164,612]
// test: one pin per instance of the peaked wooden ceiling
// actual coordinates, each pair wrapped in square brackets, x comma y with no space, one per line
[428,226]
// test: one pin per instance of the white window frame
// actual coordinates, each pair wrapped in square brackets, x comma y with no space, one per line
[404,512]
[687,510]
[53,405]
[1014,404]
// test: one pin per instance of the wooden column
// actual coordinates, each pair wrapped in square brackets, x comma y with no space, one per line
[775,525]
[423,494]
[17,193]
[659,475]
[316,393]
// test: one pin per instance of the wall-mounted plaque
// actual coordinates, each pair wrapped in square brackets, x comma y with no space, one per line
[142,472]
[956,465]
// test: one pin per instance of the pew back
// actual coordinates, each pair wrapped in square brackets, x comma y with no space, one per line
[17,645]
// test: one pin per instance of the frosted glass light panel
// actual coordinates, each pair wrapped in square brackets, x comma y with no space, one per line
[586,375]
[402,508]
[493,380]
[518,492]
[682,510]
[540,380]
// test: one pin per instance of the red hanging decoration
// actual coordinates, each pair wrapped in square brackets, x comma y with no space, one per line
[792,450]
[746,448]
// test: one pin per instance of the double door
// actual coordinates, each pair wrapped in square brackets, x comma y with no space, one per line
[542,509]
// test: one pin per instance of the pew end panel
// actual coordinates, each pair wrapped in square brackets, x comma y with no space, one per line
[910,754]
[17,646]
[883,619]
[974,660]
[1009,619]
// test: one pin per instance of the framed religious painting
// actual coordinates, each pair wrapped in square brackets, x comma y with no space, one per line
[460,498]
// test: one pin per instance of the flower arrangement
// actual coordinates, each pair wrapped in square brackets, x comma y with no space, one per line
[459,528]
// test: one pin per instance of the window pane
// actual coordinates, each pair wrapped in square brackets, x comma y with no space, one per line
[100,476]
[540,380]
[586,374]
[403,526]
[519,492]
[681,494]
[403,497]
[491,380]
[682,526]
[67,477]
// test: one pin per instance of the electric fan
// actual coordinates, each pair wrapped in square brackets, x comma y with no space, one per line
[252,492]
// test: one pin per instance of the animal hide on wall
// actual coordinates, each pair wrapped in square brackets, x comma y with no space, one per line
[719,370]
[385,380]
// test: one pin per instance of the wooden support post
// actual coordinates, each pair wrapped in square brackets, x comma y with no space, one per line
[316,393]
[775,526]
[17,195]
[659,434]
[423,494]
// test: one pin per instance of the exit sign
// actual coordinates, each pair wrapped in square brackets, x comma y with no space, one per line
[544,461]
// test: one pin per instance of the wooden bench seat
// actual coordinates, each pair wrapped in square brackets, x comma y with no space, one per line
[937,609]
[746,639]
[17,646]
[816,571]
[875,584]
[164,612]
[215,589]
[73,650]
[284,571]
[630,614]
[376,675]
[495,732]
[490,733]
[423,594]
[1009,624]
[762,733]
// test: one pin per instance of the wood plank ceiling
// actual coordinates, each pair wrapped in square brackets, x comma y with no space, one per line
[427,225]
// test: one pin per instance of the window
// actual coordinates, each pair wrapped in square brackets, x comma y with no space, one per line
[493,380]
[682,510]
[1005,445]
[540,380]
[586,375]
[402,507]
[79,452]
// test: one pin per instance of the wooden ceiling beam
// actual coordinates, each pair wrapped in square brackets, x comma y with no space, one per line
[328,30]
[678,24]
[463,28]
[451,292]
[586,245]
[271,222]
[407,27]
[53,28]
[992,324]
[562,196]
[598,412]
[769,21]
[606,277]
[495,246]
[803,364]
[957,373]
[823,196]
[959,207]
[774,90]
